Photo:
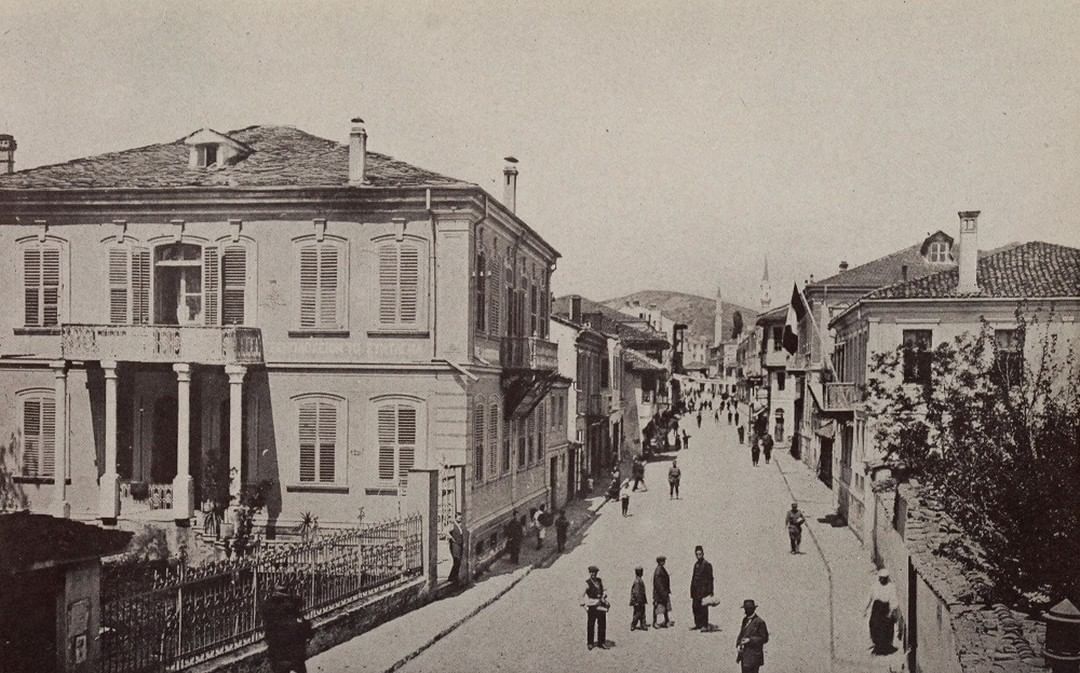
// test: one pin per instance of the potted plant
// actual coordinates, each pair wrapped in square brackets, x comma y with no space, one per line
[215,497]
[252,499]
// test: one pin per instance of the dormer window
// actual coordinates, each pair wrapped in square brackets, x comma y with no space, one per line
[210,149]
[937,248]
[939,252]
[208,155]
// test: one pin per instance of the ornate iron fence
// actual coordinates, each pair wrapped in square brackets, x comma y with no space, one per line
[172,618]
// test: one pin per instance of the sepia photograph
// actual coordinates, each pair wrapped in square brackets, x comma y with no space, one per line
[451,336]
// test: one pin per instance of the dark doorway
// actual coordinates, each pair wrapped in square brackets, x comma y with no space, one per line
[571,472]
[825,462]
[163,465]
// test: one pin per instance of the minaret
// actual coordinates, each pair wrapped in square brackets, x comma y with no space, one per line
[718,323]
[766,288]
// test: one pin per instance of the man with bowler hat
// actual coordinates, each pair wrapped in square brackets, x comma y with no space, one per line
[752,638]
[595,602]
[701,585]
[287,631]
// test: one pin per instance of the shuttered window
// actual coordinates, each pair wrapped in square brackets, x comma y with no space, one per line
[507,441]
[322,287]
[493,441]
[129,285]
[541,424]
[530,434]
[38,424]
[397,436]
[400,274]
[234,285]
[318,431]
[478,443]
[494,291]
[480,281]
[41,285]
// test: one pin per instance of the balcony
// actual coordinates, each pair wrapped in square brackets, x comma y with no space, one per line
[591,404]
[529,354]
[163,343]
[842,396]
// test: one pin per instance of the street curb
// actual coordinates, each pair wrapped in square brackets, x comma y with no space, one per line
[477,610]
[828,574]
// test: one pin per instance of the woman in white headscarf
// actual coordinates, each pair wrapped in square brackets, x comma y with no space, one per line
[882,607]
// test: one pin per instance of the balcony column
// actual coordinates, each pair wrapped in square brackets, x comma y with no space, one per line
[60,508]
[183,487]
[109,485]
[236,424]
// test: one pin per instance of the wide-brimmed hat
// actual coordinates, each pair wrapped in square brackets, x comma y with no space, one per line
[594,569]
[749,603]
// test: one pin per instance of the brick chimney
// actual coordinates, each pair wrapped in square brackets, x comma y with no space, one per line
[969,251]
[7,154]
[510,173]
[357,153]
[843,265]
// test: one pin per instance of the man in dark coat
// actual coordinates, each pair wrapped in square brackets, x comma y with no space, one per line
[766,447]
[661,594]
[456,535]
[595,602]
[287,632]
[638,600]
[751,640]
[701,585]
[513,537]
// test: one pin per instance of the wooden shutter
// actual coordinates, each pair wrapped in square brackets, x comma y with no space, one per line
[32,286]
[541,420]
[118,286]
[409,281]
[140,286]
[31,448]
[388,283]
[309,415]
[478,441]
[406,440]
[211,272]
[234,285]
[329,263]
[327,442]
[387,431]
[50,287]
[493,440]
[480,277]
[48,437]
[530,430]
[493,292]
[309,285]
[507,440]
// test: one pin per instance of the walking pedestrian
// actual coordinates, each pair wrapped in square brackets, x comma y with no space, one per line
[794,520]
[729,415]
[596,605]
[562,525]
[638,471]
[638,600]
[287,632]
[882,608]
[766,447]
[674,475]
[661,594]
[538,520]
[742,432]
[513,534]
[716,416]
[624,496]
[755,448]
[736,414]
[701,585]
[753,634]
[456,536]
[685,440]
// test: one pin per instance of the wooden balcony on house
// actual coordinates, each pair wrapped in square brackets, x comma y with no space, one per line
[529,354]
[224,345]
[842,396]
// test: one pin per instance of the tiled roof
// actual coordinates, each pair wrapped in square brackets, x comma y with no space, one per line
[633,334]
[282,156]
[639,362]
[1028,270]
[777,314]
[886,270]
[29,539]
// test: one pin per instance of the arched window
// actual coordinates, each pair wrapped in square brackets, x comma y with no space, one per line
[129,284]
[321,423]
[323,284]
[478,443]
[37,433]
[43,266]
[399,432]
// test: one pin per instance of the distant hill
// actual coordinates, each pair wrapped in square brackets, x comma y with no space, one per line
[699,313]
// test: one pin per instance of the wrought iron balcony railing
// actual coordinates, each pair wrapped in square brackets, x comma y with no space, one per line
[162,343]
[529,353]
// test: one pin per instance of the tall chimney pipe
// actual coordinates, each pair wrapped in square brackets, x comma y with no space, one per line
[357,153]
[575,309]
[510,173]
[7,154]
[969,251]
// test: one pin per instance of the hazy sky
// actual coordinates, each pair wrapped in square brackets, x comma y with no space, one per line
[662,144]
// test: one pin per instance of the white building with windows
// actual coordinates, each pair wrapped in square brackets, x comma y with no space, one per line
[269,306]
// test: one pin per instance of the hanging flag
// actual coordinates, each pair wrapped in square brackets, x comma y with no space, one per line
[797,309]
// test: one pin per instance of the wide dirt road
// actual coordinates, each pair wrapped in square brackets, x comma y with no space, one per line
[728,506]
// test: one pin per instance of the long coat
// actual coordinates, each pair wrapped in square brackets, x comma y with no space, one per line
[637,592]
[661,585]
[753,653]
[457,541]
[701,583]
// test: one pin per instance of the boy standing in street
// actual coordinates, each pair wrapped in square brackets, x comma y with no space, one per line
[795,520]
[674,474]
[561,526]
[638,600]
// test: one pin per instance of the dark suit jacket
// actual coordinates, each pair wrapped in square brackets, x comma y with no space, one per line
[661,585]
[457,541]
[753,628]
[701,584]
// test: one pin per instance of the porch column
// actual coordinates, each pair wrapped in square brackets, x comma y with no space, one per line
[109,486]
[183,487]
[236,424]
[60,508]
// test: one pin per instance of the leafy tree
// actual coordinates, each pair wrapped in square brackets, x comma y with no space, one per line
[995,438]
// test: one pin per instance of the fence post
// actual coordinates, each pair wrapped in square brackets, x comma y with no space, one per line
[422,498]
